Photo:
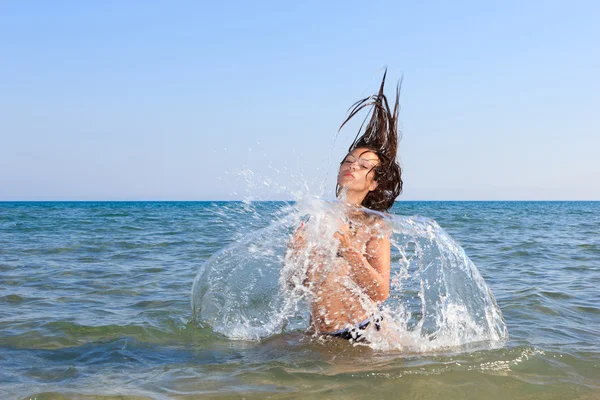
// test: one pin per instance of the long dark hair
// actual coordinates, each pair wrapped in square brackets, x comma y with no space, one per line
[381,136]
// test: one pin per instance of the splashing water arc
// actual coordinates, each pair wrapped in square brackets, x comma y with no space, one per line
[438,300]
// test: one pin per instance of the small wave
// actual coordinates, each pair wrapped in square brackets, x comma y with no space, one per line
[131,228]
[556,295]
[64,334]
[13,298]
[115,292]
[153,304]
[588,309]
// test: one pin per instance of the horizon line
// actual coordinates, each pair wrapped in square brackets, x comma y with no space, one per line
[277,201]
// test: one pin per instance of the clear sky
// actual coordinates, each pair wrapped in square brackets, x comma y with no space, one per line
[191,100]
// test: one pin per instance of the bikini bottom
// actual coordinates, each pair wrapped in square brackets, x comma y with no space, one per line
[354,333]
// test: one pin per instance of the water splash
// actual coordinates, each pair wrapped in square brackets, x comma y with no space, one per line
[438,300]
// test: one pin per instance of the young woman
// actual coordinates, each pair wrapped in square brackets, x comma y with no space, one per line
[345,290]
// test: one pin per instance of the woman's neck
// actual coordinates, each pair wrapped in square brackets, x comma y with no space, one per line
[353,198]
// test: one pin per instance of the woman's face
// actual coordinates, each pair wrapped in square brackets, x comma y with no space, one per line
[357,171]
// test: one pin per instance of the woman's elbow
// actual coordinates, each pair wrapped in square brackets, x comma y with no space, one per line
[381,295]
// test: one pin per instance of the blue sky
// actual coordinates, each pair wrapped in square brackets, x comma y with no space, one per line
[176,100]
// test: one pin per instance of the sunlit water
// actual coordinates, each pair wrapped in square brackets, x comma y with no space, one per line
[95,301]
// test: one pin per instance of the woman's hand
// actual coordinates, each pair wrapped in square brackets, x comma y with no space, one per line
[298,242]
[370,271]
[344,242]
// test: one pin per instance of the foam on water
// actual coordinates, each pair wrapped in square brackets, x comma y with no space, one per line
[438,300]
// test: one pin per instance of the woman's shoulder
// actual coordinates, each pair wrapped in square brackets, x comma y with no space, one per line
[378,224]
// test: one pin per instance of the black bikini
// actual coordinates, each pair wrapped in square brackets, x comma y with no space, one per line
[354,333]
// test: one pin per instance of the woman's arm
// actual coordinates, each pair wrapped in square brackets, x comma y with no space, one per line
[297,242]
[304,257]
[372,272]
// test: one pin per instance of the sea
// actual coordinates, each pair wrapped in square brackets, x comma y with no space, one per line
[96,303]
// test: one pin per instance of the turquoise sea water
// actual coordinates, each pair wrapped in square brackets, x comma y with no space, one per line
[95,303]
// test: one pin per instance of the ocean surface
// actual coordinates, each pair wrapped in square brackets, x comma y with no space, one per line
[95,304]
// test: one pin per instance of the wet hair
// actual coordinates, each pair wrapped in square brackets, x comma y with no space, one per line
[381,136]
